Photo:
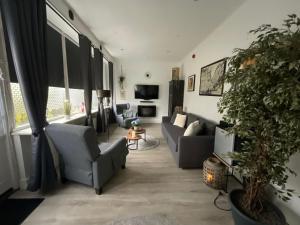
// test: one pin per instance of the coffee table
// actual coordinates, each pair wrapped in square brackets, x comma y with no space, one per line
[135,140]
[139,131]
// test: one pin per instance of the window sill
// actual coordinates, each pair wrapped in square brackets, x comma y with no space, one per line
[26,130]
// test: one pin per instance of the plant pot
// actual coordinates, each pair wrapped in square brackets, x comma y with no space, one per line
[242,219]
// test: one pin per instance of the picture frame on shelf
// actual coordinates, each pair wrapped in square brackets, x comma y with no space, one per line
[191,83]
[211,83]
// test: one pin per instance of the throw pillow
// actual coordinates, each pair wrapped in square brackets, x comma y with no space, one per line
[194,128]
[180,120]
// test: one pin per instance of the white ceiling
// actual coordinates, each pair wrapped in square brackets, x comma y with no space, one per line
[153,29]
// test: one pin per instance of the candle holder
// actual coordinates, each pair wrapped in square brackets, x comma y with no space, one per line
[214,173]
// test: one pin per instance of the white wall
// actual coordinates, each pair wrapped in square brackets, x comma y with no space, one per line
[134,71]
[233,33]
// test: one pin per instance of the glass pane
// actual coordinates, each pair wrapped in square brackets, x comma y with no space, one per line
[20,112]
[77,100]
[94,101]
[105,75]
[55,106]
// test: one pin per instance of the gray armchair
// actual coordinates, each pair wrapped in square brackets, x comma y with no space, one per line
[81,159]
[124,118]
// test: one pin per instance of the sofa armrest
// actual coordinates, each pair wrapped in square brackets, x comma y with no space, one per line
[194,150]
[166,119]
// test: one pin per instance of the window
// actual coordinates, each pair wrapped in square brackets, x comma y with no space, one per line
[77,100]
[94,100]
[56,60]
[105,75]
[55,105]
[21,117]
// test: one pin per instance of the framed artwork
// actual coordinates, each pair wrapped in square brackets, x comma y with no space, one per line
[191,83]
[210,79]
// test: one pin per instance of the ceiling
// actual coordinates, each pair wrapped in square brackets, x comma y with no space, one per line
[153,29]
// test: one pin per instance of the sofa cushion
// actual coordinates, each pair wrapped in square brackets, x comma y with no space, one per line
[180,120]
[194,128]
[173,132]
[191,118]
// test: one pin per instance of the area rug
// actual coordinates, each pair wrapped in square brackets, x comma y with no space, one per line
[150,143]
[155,219]
[15,211]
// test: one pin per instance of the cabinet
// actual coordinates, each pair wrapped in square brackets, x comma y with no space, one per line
[176,90]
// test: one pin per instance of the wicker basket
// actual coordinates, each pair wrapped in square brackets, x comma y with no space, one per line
[214,173]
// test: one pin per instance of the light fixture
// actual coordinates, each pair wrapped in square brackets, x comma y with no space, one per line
[214,173]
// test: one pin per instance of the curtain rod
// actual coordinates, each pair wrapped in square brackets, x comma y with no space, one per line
[70,24]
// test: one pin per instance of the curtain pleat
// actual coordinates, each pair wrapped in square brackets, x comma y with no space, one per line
[26,24]
[112,118]
[98,67]
[86,74]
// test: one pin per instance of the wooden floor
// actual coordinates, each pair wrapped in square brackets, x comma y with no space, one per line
[151,184]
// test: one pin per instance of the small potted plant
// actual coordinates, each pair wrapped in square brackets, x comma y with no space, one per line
[263,104]
[121,82]
[67,109]
[136,124]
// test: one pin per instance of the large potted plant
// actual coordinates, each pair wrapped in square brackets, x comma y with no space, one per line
[263,104]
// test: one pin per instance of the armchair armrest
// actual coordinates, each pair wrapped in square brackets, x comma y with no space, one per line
[166,119]
[194,150]
[109,162]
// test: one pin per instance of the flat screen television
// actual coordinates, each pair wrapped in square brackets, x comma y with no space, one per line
[146,92]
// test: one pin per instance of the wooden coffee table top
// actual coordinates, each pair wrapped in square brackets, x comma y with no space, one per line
[139,131]
[137,137]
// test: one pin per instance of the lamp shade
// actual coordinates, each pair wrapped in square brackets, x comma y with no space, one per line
[103,93]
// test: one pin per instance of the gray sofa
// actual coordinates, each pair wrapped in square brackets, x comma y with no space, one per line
[189,151]
[82,159]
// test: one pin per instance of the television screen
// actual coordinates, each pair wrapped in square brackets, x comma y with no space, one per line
[146,92]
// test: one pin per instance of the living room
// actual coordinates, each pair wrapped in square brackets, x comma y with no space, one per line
[144,137]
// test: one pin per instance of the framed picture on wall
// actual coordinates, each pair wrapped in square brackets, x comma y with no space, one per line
[191,83]
[211,83]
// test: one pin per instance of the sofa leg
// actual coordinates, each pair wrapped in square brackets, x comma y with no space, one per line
[98,191]
[123,167]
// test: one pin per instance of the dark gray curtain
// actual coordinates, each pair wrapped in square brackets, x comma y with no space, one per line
[26,25]
[98,69]
[112,117]
[73,59]
[86,74]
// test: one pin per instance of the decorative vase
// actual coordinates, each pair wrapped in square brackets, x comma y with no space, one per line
[241,219]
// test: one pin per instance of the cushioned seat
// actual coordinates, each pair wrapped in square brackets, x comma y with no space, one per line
[174,132]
